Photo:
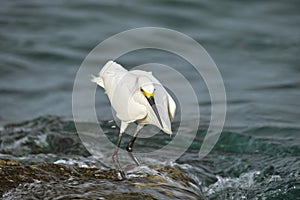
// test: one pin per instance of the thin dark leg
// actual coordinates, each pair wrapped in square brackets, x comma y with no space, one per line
[115,156]
[131,142]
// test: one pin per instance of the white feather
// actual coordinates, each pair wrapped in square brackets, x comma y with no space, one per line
[123,90]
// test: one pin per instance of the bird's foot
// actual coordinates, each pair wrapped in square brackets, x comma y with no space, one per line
[121,175]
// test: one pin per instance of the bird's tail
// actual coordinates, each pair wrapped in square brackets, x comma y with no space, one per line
[98,80]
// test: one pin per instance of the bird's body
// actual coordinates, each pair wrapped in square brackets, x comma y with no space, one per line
[136,96]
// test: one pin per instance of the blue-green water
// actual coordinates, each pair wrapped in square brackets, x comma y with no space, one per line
[255,45]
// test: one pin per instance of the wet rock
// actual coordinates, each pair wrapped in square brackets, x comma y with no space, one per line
[54,180]
[50,159]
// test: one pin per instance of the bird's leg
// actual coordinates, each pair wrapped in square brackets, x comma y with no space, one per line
[130,144]
[115,155]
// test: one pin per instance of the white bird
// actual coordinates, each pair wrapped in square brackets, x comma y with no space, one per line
[136,96]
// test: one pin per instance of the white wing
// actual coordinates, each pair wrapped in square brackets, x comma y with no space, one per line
[121,88]
[123,99]
[171,107]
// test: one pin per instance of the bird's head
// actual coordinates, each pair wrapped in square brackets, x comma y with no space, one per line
[147,89]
